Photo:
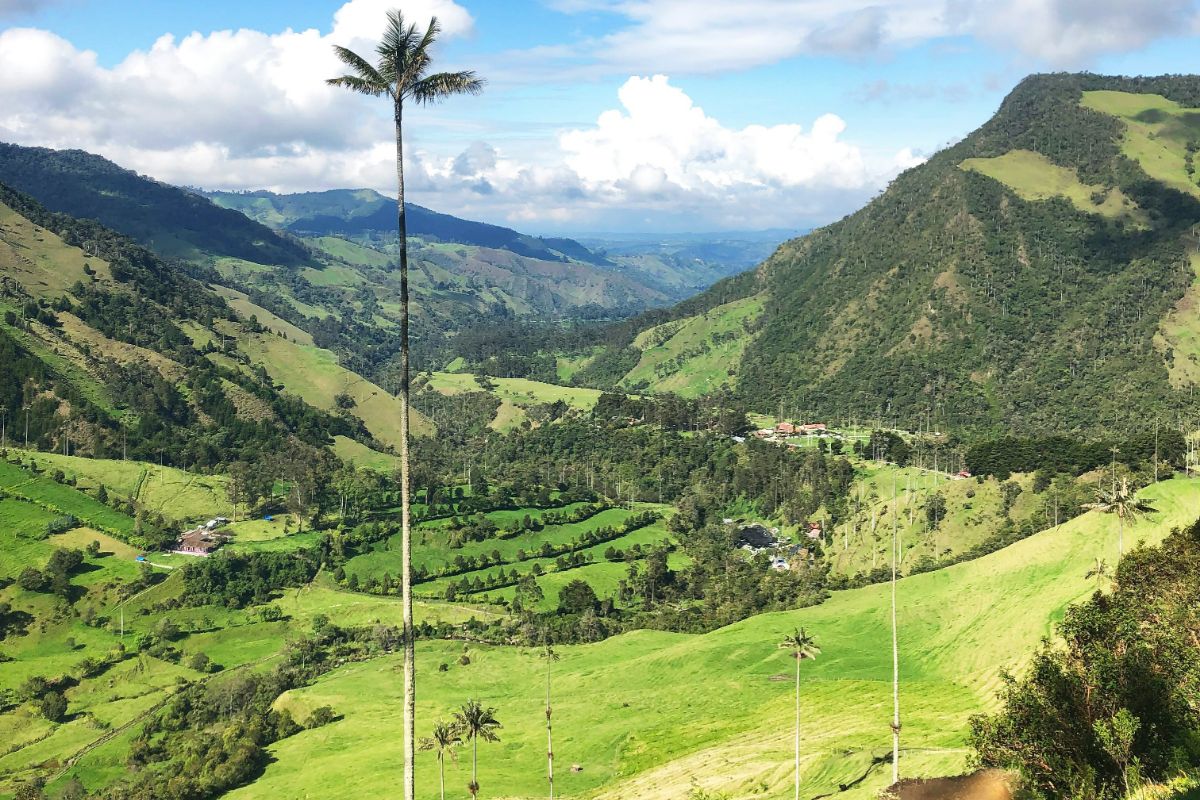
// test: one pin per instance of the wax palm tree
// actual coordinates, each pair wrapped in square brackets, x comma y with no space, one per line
[444,742]
[895,649]
[401,73]
[476,722]
[551,656]
[1125,504]
[802,646]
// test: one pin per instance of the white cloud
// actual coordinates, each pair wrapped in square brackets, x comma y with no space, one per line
[252,94]
[660,156]
[245,109]
[708,36]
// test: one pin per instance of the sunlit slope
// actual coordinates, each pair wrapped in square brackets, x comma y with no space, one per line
[645,714]
[1034,177]
[695,355]
[316,376]
[1157,134]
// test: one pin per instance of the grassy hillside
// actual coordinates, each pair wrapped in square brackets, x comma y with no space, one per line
[316,376]
[1034,177]
[167,490]
[695,355]
[516,395]
[1160,134]
[647,713]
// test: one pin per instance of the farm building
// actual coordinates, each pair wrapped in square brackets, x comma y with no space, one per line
[200,541]
[811,428]
[755,538]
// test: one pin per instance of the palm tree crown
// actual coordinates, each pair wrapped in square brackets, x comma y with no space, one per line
[400,72]
[446,736]
[477,722]
[801,644]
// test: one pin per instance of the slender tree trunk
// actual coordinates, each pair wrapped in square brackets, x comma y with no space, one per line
[410,678]
[797,795]
[475,766]
[549,734]
[442,775]
[895,654]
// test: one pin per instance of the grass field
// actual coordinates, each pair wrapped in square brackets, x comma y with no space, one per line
[62,499]
[974,512]
[1034,177]
[174,492]
[1179,333]
[647,713]
[40,261]
[315,375]
[359,454]
[1157,131]
[516,395]
[431,549]
[696,355]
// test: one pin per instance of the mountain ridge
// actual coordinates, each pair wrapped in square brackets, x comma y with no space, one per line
[952,297]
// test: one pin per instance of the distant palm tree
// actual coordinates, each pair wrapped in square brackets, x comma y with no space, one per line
[476,722]
[802,646]
[551,656]
[1125,504]
[401,73]
[446,738]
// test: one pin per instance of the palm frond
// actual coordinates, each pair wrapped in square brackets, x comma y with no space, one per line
[397,39]
[357,84]
[441,85]
[360,65]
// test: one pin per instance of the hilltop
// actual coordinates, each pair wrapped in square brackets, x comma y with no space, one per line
[1038,275]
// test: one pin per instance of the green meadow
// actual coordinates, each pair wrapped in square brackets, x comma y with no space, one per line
[648,713]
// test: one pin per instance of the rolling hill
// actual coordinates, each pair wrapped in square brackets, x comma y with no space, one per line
[1039,274]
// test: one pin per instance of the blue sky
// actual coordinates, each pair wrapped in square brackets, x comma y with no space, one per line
[599,114]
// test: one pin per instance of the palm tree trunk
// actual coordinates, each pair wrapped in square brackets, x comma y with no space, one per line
[475,766]
[797,796]
[442,775]
[1120,534]
[410,681]
[549,735]
[895,654]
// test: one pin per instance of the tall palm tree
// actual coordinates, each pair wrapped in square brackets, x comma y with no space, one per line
[1125,504]
[551,656]
[444,742]
[476,722]
[802,646]
[401,73]
[895,649]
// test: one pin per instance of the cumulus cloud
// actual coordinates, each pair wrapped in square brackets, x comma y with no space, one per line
[661,156]
[676,36]
[245,109]
[248,95]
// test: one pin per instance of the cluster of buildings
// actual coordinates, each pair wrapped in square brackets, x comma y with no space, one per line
[756,539]
[202,540]
[787,430]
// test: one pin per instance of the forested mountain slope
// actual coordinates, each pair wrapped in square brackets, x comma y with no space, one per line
[108,351]
[1040,274]
[166,219]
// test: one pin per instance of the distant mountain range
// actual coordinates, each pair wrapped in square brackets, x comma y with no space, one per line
[358,212]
